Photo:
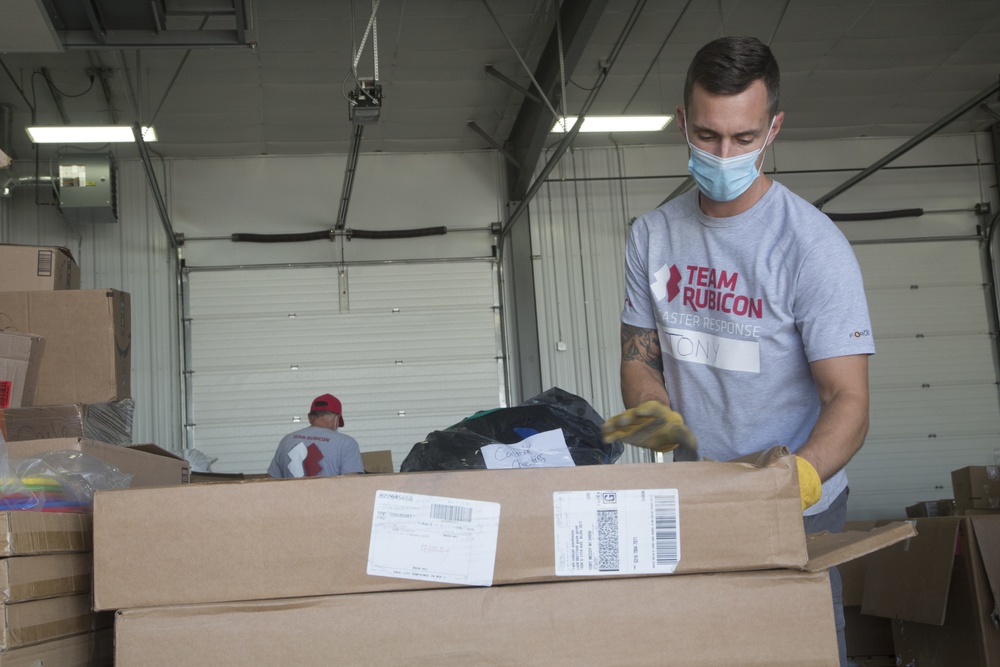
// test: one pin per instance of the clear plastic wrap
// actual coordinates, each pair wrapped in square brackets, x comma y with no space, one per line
[57,481]
[458,447]
[106,422]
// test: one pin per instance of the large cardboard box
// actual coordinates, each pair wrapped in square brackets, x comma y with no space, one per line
[760,619]
[149,465]
[20,359]
[29,268]
[103,422]
[976,487]
[25,578]
[940,590]
[91,649]
[88,342]
[26,533]
[752,619]
[41,620]
[289,538]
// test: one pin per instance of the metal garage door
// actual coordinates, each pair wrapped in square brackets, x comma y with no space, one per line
[407,347]
[934,404]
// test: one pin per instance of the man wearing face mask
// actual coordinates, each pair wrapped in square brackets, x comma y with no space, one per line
[745,320]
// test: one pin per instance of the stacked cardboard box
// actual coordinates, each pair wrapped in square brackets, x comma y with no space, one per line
[64,385]
[976,489]
[45,582]
[278,560]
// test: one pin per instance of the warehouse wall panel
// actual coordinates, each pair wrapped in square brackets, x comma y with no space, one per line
[408,348]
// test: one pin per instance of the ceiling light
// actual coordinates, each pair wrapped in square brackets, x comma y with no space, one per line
[614,123]
[87,135]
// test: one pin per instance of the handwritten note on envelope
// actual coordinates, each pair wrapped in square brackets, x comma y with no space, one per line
[544,450]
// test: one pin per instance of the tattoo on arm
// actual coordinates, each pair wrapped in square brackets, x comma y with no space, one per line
[641,345]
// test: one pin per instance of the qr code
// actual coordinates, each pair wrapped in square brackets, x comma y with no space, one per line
[607,541]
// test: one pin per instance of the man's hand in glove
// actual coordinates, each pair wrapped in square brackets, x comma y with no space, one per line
[810,486]
[651,425]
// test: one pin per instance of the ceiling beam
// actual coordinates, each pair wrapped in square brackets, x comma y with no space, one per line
[531,128]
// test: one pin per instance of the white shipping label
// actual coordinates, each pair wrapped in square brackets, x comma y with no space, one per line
[542,450]
[635,531]
[430,538]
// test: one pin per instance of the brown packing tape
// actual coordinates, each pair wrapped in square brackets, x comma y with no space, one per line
[35,577]
[24,533]
[41,620]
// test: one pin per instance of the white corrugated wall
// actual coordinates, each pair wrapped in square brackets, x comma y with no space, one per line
[132,255]
[580,220]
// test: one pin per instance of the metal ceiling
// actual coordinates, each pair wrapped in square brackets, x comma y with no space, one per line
[254,77]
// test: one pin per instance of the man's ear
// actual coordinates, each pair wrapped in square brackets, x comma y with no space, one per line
[779,118]
[681,121]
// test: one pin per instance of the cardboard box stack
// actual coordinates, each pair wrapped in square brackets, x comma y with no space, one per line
[65,384]
[529,567]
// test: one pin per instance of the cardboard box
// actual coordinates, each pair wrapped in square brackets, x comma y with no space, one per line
[149,465]
[103,422]
[27,533]
[41,620]
[771,618]
[312,536]
[866,635]
[26,578]
[91,649]
[378,462]
[931,508]
[88,342]
[20,359]
[976,487]
[30,268]
[940,590]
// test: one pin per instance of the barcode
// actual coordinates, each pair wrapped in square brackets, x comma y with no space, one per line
[45,262]
[665,518]
[451,513]
[607,540]
[6,389]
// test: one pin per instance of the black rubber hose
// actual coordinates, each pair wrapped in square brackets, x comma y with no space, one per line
[283,238]
[398,233]
[877,215]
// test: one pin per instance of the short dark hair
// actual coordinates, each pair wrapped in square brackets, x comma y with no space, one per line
[729,65]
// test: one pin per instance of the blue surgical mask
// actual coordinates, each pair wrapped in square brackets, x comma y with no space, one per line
[724,178]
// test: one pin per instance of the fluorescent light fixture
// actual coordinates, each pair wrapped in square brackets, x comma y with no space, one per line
[615,123]
[106,134]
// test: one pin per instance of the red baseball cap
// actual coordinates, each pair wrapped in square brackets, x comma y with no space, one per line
[328,403]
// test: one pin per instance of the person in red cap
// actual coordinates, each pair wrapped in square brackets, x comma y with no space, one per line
[318,450]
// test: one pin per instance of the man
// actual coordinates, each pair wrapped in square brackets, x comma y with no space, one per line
[744,304]
[318,450]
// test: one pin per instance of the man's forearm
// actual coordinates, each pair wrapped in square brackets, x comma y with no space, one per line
[843,419]
[641,383]
[642,367]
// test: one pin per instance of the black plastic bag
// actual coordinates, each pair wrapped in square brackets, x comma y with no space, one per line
[458,447]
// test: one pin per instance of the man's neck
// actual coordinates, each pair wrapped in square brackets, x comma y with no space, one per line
[743,203]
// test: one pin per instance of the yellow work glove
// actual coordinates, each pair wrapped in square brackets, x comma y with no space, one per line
[651,425]
[810,486]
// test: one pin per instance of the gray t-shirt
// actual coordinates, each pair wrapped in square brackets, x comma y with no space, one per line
[316,452]
[742,305]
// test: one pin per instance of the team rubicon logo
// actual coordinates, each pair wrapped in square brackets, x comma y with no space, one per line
[705,288]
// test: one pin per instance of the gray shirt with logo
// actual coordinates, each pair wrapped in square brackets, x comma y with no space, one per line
[742,305]
[316,452]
